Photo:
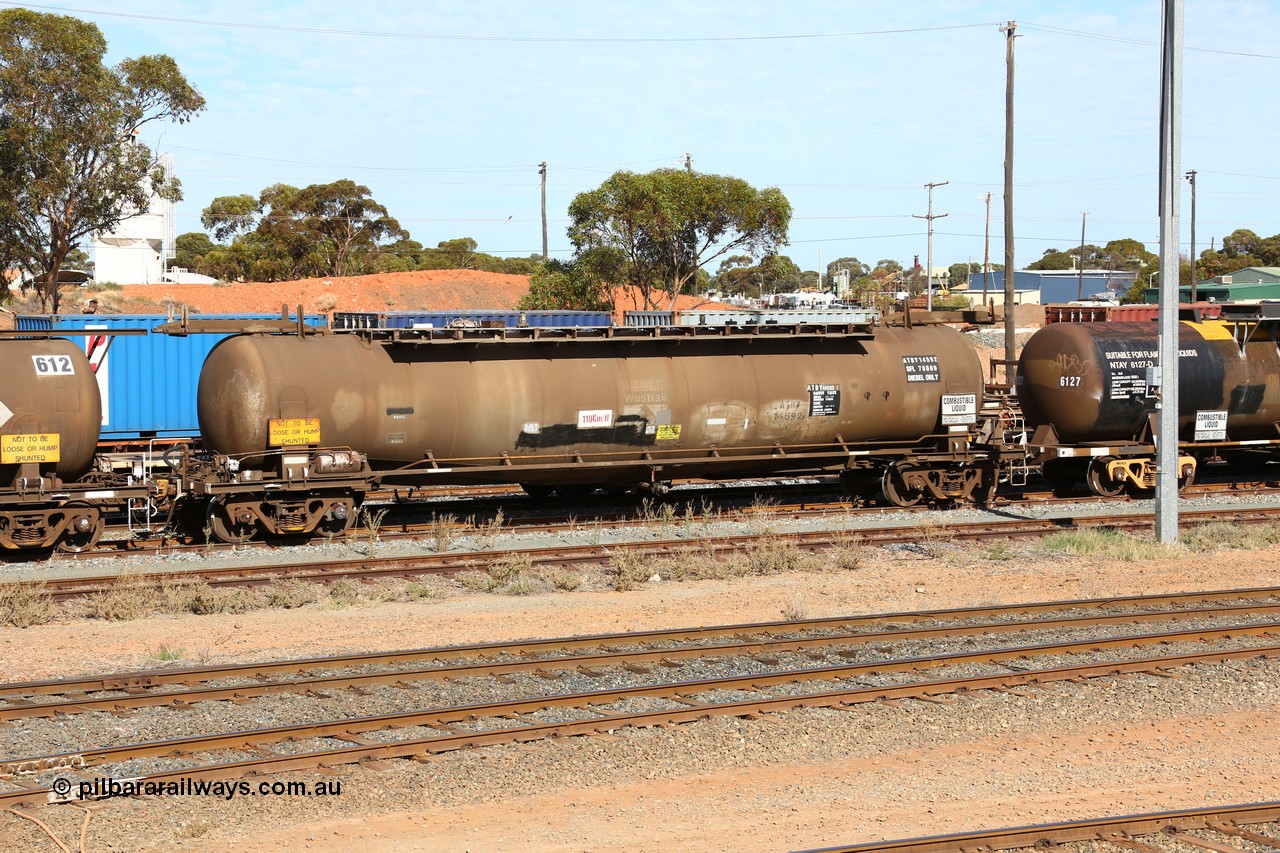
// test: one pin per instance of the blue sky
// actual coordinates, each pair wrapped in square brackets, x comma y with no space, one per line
[445,109]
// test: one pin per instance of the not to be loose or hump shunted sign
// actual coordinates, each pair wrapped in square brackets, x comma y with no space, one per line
[30,447]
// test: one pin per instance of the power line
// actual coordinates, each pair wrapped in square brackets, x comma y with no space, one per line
[1063,31]
[529,39]
[519,168]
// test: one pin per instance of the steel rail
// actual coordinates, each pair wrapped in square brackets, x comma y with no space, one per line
[122,547]
[364,749]
[372,569]
[560,645]
[181,698]
[1226,819]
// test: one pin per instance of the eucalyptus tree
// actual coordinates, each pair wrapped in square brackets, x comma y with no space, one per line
[70,161]
[666,224]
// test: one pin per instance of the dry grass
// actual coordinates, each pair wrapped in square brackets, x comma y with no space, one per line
[420,591]
[344,592]
[132,596]
[514,574]
[194,595]
[797,609]
[766,556]
[23,606]
[291,592]
[443,532]
[848,553]
[934,539]
[488,532]
[1221,535]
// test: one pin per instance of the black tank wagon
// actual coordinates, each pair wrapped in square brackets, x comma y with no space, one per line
[1086,392]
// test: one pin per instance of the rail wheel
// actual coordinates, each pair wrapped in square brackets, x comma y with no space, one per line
[340,518]
[1100,482]
[1060,476]
[575,491]
[989,483]
[895,488]
[1186,477]
[860,485]
[84,529]
[223,527]
[536,490]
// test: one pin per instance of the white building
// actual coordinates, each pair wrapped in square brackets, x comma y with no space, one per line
[137,250]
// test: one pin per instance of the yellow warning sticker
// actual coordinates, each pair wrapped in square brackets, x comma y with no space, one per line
[33,447]
[286,431]
[667,432]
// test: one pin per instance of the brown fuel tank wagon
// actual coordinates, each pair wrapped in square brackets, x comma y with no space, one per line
[620,409]
[50,419]
[50,409]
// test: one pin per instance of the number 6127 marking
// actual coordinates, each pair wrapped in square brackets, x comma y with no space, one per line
[53,365]
[1068,381]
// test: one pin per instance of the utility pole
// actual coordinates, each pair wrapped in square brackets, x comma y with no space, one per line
[1191,176]
[688,163]
[1080,277]
[928,273]
[542,170]
[1167,404]
[1010,326]
[986,252]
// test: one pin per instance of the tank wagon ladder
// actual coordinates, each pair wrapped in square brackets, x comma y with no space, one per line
[40,512]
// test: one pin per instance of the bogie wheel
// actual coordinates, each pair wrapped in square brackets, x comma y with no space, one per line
[859,485]
[985,493]
[339,520]
[224,528]
[575,492]
[83,530]
[1061,477]
[1186,477]
[895,488]
[536,490]
[1100,482]
[190,518]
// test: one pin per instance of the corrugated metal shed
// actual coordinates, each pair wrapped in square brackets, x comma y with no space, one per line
[1219,292]
[784,317]
[478,319]
[148,382]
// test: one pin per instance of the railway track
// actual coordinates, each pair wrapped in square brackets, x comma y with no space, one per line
[374,569]
[478,510]
[1144,833]
[124,691]
[769,672]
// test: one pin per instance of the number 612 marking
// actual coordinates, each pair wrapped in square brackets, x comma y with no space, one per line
[53,365]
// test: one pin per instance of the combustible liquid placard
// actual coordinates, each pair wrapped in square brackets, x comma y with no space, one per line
[286,431]
[33,447]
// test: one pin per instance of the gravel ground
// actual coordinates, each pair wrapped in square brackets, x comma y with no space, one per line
[806,778]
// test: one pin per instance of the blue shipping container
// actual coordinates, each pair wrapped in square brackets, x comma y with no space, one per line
[452,318]
[148,382]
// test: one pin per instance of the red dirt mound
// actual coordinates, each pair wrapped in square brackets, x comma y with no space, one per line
[420,289]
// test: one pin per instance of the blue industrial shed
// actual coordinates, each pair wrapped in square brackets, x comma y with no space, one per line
[1057,285]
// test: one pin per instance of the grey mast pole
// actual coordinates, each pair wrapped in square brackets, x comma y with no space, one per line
[1170,187]
[1010,327]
